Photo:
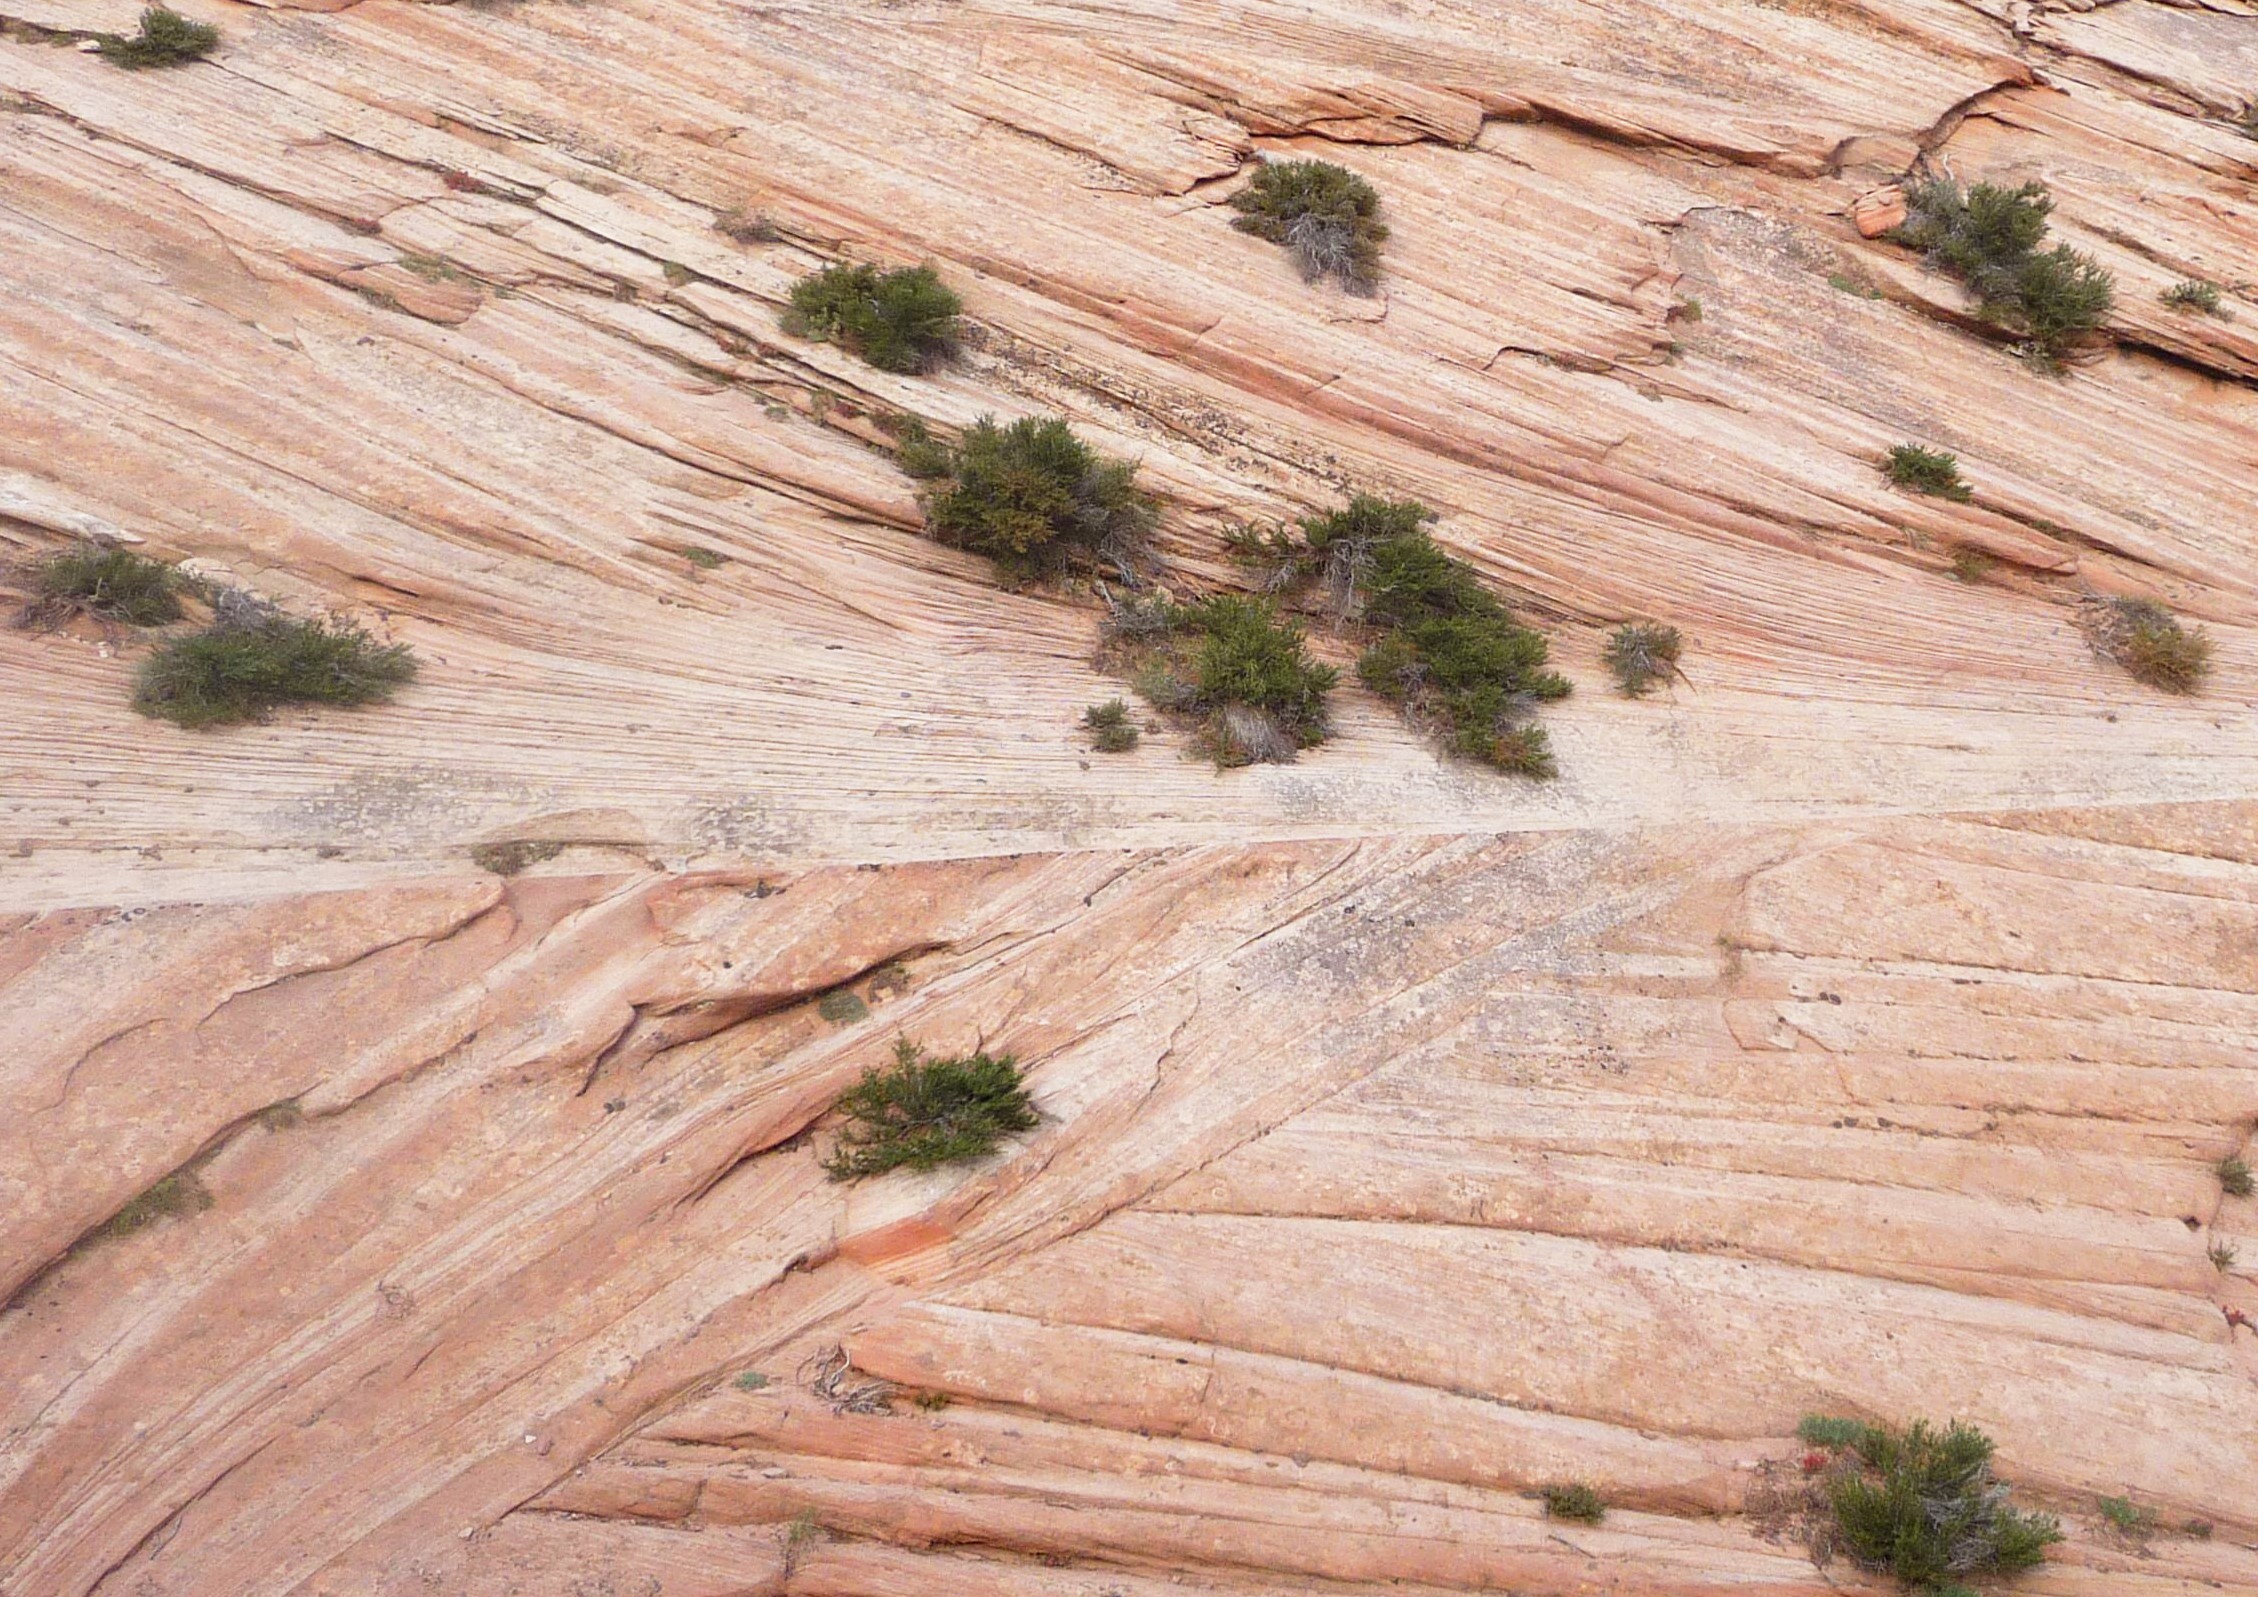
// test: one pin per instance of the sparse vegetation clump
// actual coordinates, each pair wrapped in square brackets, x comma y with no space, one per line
[2128,1518]
[181,1193]
[1030,496]
[1452,657]
[2234,1176]
[1326,216]
[927,1112]
[2221,1254]
[748,227]
[511,857]
[1576,1501]
[1922,1503]
[900,321]
[1927,471]
[1444,649]
[2194,294]
[1232,665]
[165,38]
[1642,653]
[1111,731]
[104,581]
[2149,642]
[253,658]
[1970,564]
[1988,237]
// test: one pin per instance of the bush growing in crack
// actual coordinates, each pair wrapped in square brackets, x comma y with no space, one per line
[926,1112]
[1326,216]
[1642,653]
[2149,642]
[253,658]
[1031,496]
[97,579]
[1444,649]
[1228,665]
[1988,237]
[165,38]
[1927,471]
[905,320]
[1922,1503]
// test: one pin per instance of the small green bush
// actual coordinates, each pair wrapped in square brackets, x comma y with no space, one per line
[2234,1176]
[2126,1517]
[518,854]
[2221,1254]
[1927,471]
[1326,216]
[1230,662]
[2193,294]
[1988,237]
[1829,1430]
[253,658]
[900,321]
[166,38]
[1576,1501]
[114,584]
[1970,564]
[1111,731]
[1248,656]
[1451,656]
[1923,1505]
[750,1381]
[2149,642]
[924,1113]
[1642,653]
[1031,495]
[181,1193]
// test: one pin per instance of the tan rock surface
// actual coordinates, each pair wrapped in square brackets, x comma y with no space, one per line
[1855,1026]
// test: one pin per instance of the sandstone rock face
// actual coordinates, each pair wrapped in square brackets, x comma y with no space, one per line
[1855,1027]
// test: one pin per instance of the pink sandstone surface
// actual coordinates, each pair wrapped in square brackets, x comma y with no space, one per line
[1854,1027]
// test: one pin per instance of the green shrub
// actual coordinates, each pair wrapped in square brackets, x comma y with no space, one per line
[750,1381]
[169,1197]
[2193,294]
[1111,731]
[2221,1254]
[1828,1430]
[1642,653]
[1231,663]
[1927,471]
[1248,656]
[1970,564]
[2234,1176]
[748,227]
[1327,217]
[253,658]
[1450,655]
[924,1113]
[166,38]
[1922,1504]
[2149,642]
[2059,294]
[1988,237]
[2128,1518]
[1576,1501]
[518,854]
[1031,495]
[899,321]
[114,584]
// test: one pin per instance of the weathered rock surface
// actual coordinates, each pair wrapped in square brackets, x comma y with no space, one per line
[1856,1025]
